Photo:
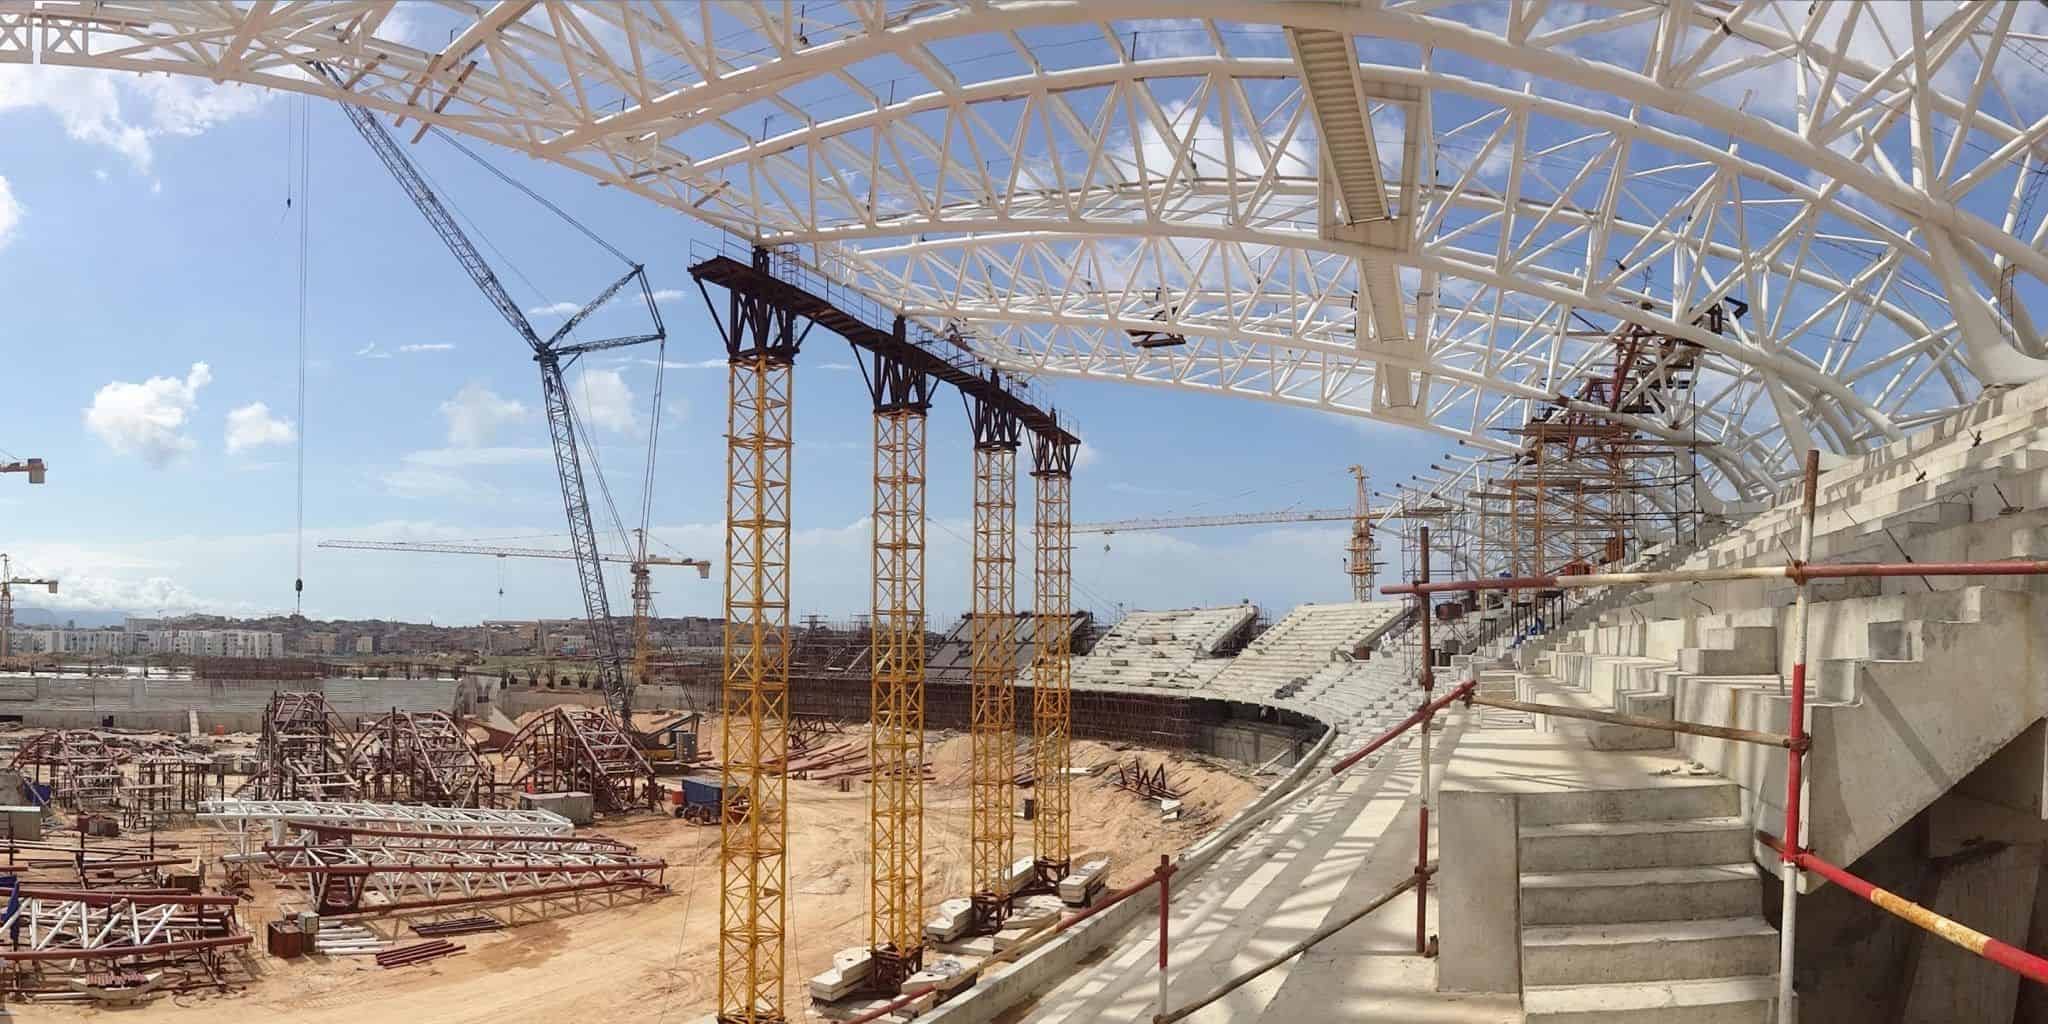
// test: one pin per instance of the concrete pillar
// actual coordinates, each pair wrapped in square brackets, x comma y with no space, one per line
[1479,884]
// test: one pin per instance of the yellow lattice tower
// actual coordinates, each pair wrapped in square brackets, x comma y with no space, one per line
[992,712]
[1051,697]
[753,873]
[896,692]
[1359,563]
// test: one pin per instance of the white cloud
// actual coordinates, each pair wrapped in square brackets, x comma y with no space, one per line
[10,213]
[701,364]
[125,113]
[438,346]
[371,351]
[451,458]
[667,294]
[475,414]
[436,472]
[1086,455]
[147,418]
[554,309]
[838,367]
[604,399]
[252,425]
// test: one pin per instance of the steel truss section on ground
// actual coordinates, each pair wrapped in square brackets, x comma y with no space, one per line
[351,871]
[238,815]
[58,938]
[301,753]
[168,786]
[571,748]
[421,757]
[81,770]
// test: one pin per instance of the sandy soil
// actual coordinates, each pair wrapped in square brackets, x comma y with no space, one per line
[654,961]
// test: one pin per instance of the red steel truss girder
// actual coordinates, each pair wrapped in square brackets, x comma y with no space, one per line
[572,747]
[420,757]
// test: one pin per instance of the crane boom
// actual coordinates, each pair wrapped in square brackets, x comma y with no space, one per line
[1312,515]
[435,547]
[555,394]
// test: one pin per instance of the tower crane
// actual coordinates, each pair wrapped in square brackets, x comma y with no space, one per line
[33,467]
[1359,563]
[7,582]
[552,354]
[640,562]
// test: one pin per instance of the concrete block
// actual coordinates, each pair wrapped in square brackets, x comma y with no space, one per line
[1605,954]
[850,969]
[950,921]
[1478,892]
[577,807]
[947,974]
[1021,872]
[1640,894]
[1034,911]
[24,822]
[1707,1001]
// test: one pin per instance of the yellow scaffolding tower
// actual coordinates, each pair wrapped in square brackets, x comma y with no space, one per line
[754,838]
[992,712]
[896,692]
[1051,679]
[1358,563]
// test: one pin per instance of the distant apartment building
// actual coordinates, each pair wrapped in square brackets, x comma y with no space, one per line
[366,644]
[217,643]
[320,643]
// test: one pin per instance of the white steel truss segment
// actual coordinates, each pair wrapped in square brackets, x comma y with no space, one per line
[371,874]
[1863,177]
[237,815]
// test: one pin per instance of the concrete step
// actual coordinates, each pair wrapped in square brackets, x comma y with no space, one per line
[1601,954]
[1592,845]
[1662,801]
[1703,1001]
[1640,894]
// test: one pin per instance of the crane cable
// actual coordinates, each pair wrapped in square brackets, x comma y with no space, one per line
[305,186]
[531,194]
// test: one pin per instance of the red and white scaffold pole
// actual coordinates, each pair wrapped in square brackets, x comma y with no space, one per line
[1427,680]
[1795,856]
[1795,751]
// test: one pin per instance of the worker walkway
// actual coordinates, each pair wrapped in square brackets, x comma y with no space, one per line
[1309,865]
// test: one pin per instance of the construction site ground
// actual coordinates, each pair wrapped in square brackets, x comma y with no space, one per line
[655,960]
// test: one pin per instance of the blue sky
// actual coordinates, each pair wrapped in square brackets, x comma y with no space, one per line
[144,232]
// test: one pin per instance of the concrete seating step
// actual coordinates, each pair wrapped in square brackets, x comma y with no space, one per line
[1663,801]
[1640,894]
[1602,954]
[1743,1000]
[1591,845]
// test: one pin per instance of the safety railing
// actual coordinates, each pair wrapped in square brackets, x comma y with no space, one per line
[1793,856]
[1162,875]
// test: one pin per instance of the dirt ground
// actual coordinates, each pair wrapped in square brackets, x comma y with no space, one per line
[655,960]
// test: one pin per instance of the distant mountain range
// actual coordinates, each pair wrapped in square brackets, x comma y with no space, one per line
[86,618]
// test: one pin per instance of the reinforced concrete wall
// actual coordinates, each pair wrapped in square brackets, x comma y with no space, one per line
[234,705]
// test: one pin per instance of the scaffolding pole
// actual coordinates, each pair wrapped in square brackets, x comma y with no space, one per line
[761,346]
[992,720]
[1051,669]
[896,702]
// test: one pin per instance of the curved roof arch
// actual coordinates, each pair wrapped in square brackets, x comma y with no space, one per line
[1420,211]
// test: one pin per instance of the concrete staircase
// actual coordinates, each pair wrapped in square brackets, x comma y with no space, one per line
[1641,906]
